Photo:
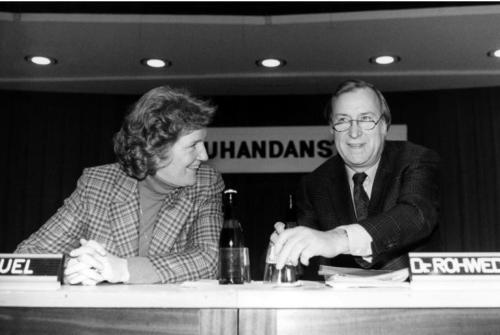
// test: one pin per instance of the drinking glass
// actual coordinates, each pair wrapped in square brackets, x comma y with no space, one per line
[286,276]
[246,265]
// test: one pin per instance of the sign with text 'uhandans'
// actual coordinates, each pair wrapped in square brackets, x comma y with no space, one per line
[275,149]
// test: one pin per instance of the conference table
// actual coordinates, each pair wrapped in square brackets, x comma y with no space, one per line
[204,307]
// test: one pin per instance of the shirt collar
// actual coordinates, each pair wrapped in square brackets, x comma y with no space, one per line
[370,172]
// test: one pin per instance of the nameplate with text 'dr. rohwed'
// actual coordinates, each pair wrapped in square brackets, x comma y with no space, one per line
[31,271]
[451,270]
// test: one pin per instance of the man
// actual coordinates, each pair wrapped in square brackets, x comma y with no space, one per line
[370,204]
[156,215]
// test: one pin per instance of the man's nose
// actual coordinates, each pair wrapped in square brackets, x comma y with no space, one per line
[355,130]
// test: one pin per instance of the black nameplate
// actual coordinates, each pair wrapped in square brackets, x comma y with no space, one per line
[42,266]
[454,265]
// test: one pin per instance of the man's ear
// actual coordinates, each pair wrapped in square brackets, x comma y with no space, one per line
[386,127]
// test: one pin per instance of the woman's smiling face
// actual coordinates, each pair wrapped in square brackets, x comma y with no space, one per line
[184,159]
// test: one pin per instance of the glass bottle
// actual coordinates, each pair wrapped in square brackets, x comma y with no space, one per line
[234,264]
[291,215]
[291,222]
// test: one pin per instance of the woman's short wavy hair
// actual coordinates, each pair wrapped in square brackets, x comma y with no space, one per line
[154,124]
[351,85]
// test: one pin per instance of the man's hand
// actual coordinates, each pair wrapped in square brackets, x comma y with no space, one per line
[302,243]
[92,255]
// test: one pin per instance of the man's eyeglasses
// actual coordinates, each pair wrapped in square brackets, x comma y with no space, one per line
[365,123]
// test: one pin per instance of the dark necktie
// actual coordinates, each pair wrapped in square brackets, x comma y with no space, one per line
[360,197]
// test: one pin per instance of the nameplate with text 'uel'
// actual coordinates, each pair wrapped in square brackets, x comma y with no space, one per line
[31,271]
[454,266]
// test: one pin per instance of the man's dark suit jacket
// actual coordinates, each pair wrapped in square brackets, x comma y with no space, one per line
[403,208]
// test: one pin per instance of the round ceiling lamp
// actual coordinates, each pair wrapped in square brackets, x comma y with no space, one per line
[156,63]
[271,62]
[40,60]
[385,59]
[494,53]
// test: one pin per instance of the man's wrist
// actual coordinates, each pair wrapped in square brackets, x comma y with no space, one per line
[358,238]
[340,240]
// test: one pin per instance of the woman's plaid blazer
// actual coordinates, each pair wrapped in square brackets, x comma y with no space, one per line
[105,207]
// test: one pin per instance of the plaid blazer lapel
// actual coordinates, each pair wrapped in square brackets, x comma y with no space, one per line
[170,223]
[124,217]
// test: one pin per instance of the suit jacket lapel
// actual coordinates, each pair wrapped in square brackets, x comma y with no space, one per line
[124,217]
[380,184]
[339,191]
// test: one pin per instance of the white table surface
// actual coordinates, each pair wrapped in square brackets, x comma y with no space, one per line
[208,294]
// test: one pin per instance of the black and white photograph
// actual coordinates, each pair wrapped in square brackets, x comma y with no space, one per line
[250,167]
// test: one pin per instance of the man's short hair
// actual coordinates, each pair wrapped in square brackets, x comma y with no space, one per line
[351,85]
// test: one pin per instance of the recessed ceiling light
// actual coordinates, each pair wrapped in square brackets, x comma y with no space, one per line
[40,60]
[156,62]
[385,60]
[271,62]
[494,53]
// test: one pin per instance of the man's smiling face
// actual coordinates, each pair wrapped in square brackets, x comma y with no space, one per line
[360,149]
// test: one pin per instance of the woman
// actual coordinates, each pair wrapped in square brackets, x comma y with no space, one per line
[155,216]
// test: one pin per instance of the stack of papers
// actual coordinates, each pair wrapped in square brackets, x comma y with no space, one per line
[339,277]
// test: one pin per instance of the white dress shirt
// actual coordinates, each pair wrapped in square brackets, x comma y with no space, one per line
[359,239]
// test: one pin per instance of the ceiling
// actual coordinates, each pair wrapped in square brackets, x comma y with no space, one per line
[213,47]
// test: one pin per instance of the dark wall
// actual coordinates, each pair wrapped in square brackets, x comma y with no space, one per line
[48,138]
